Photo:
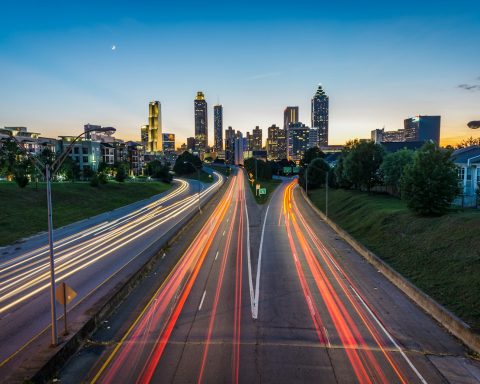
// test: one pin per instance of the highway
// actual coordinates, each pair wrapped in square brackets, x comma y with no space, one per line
[271,294]
[92,256]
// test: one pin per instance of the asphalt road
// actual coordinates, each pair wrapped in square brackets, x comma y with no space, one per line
[91,256]
[271,294]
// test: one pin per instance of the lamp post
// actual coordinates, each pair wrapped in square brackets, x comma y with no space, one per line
[50,171]
[198,176]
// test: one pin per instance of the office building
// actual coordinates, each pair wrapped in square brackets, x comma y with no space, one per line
[154,136]
[230,145]
[144,135]
[290,115]
[238,148]
[257,139]
[218,128]
[382,136]
[319,113]
[201,122]
[422,128]
[276,143]
[297,141]
[168,140]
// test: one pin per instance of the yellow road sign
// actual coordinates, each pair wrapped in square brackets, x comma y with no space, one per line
[65,294]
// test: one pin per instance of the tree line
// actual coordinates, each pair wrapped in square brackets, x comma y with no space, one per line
[426,178]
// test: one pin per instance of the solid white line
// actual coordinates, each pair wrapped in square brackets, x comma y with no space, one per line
[257,283]
[201,301]
[249,262]
[390,337]
[216,256]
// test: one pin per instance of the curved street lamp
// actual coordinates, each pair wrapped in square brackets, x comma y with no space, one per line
[50,170]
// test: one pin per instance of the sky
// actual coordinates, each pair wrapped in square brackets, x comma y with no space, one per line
[380,62]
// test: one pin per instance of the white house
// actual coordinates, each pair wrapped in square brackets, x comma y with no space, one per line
[468,162]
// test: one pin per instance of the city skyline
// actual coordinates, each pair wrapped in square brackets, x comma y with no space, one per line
[79,63]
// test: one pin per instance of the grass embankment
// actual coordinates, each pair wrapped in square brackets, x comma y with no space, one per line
[270,185]
[24,211]
[440,255]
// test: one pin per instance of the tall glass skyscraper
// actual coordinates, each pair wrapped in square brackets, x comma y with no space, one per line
[201,123]
[320,115]
[218,128]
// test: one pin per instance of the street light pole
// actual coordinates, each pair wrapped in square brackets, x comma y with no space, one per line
[50,170]
[53,306]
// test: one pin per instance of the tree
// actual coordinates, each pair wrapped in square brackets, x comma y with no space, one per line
[9,154]
[121,172]
[362,163]
[70,169]
[260,167]
[316,172]
[430,183]
[183,164]
[21,172]
[159,171]
[88,172]
[310,155]
[468,142]
[393,166]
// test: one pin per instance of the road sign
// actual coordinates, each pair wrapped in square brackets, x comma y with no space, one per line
[65,294]
[262,191]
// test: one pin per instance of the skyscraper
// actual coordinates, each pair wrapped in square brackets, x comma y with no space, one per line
[154,143]
[238,148]
[276,143]
[320,115]
[218,128]
[422,128]
[230,145]
[201,122]
[257,139]
[290,115]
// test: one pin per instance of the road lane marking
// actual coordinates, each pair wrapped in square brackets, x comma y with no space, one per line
[223,234]
[419,375]
[216,256]
[201,301]
[259,265]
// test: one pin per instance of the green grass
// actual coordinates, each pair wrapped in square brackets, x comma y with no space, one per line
[440,255]
[270,185]
[24,211]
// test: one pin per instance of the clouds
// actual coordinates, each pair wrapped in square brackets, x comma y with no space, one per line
[474,124]
[471,87]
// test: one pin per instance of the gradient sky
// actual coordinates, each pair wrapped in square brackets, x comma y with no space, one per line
[379,61]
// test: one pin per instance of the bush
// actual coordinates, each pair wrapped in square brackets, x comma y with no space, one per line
[183,164]
[430,183]
[94,180]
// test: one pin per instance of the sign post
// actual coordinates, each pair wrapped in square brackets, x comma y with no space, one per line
[257,188]
[64,295]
